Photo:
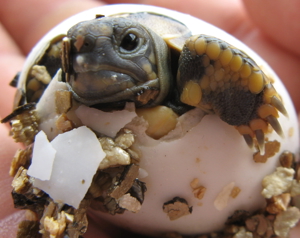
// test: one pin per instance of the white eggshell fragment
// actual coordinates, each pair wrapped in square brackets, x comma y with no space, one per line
[207,149]
[42,158]
[105,123]
[78,155]
[46,107]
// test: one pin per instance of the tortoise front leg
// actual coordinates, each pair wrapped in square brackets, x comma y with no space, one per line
[222,79]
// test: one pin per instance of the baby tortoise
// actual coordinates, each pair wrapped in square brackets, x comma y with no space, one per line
[154,60]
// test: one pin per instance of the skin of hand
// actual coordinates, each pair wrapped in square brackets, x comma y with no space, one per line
[271,28]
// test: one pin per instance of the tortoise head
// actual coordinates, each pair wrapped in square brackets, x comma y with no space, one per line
[116,59]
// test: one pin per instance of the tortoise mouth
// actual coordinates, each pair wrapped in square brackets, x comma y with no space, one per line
[93,85]
[105,86]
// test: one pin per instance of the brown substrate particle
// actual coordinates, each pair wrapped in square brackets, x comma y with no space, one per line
[116,189]
[21,158]
[176,208]
[130,173]
[24,123]
[287,159]
[277,204]
[28,229]
[63,123]
[235,192]
[199,192]
[25,196]
[129,203]
[271,148]
[138,190]
[63,101]
[78,226]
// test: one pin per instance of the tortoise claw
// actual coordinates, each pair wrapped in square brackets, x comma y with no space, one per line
[275,124]
[231,85]
[260,136]
[275,101]
[249,140]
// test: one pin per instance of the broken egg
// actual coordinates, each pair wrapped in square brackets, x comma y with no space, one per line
[153,170]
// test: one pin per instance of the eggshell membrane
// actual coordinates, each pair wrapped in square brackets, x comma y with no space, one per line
[211,151]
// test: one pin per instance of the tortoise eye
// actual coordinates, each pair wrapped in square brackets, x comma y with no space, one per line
[129,42]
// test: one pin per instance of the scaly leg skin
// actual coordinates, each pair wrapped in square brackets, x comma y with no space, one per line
[222,79]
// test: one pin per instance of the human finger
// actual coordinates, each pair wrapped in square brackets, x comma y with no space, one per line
[268,37]
[7,150]
[11,61]
[9,224]
[279,20]
[224,17]
[31,24]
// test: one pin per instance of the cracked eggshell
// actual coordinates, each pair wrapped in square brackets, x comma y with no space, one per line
[215,154]
[211,151]
[78,154]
